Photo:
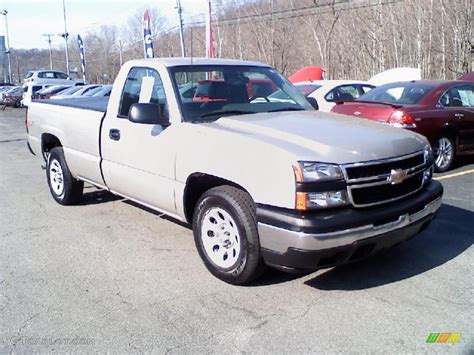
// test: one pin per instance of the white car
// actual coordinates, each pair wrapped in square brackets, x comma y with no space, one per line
[49,77]
[328,92]
[29,89]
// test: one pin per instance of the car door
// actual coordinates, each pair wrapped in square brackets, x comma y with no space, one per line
[348,92]
[458,102]
[138,159]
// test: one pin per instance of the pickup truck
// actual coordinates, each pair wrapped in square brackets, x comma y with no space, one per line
[261,181]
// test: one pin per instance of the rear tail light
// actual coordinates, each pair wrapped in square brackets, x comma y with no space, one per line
[401,119]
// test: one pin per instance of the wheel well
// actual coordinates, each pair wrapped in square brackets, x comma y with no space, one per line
[196,185]
[48,142]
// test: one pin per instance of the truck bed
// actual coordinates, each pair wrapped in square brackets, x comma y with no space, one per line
[85,103]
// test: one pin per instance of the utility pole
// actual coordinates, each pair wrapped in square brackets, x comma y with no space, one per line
[49,35]
[5,13]
[181,34]
[65,35]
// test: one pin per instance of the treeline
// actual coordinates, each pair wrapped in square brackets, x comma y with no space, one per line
[349,38]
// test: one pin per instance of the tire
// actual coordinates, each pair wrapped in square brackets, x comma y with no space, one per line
[226,235]
[444,151]
[64,188]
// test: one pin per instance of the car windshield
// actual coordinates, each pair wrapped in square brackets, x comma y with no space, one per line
[92,91]
[307,89]
[208,92]
[407,93]
[71,90]
[104,91]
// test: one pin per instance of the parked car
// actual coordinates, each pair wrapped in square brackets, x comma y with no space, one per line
[84,90]
[66,93]
[467,76]
[442,111]
[50,91]
[328,92]
[93,91]
[274,183]
[13,96]
[50,77]
[29,90]
[104,91]
[3,90]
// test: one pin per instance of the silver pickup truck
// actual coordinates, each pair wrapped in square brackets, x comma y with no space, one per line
[235,150]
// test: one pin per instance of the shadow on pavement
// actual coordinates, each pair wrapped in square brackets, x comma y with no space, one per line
[448,236]
[98,196]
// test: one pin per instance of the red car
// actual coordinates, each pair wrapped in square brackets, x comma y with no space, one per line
[442,111]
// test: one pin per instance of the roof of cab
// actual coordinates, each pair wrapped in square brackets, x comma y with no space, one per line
[173,62]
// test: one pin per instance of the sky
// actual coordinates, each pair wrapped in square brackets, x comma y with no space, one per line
[29,19]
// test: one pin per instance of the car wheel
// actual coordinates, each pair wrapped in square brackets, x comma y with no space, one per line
[444,151]
[66,190]
[226,235]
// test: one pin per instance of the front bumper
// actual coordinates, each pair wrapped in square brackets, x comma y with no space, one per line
[326,238]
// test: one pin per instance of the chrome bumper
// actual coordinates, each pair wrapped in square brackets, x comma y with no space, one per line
[280,240]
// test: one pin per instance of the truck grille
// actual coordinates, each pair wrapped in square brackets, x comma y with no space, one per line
[369,183]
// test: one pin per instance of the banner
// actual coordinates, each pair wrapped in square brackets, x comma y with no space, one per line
[82,53]
[210,49]
[147,40]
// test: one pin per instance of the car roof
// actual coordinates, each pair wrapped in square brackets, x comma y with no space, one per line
[332,82]
[173,62]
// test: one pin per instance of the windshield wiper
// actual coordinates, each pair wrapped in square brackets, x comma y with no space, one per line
[288,109]
[226,112]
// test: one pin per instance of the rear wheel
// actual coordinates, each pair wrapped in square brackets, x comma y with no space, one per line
[226,236]
[64,188]
[444,151]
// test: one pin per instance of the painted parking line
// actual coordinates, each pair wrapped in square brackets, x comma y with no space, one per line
[454,175]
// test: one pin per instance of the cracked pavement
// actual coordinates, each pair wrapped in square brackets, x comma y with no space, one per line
[108,276]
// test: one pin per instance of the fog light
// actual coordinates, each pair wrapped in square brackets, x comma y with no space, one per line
[428,175]
[326,199]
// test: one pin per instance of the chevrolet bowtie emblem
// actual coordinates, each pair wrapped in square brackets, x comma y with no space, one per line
[397,176]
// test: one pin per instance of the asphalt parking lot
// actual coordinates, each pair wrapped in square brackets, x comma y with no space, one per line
[110,276]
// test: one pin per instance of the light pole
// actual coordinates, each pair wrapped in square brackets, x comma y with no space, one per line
[49,35]
[65,35]
[181,34]
[4,13]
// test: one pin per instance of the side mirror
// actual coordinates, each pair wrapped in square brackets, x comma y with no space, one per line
[147,113]
[312,101]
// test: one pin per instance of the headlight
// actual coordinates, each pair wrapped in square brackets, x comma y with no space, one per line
[313,200]
[309,171]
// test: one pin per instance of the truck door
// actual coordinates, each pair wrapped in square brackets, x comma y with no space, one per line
[138,159]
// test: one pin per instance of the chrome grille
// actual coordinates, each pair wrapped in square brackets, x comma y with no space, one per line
[369,182]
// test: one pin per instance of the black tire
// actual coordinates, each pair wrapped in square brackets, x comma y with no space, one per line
[71,191]
[241,208]
[447,164]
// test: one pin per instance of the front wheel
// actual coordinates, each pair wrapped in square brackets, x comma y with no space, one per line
[444,151]
[64,188]
[226,236]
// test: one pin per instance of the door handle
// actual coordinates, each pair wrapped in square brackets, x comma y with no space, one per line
[459,115]
[114,134]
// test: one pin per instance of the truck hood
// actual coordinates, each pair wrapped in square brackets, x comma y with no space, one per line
[326,137]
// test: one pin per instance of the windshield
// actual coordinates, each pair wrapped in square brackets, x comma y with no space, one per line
[207,92]
[307,89]
[407,93]
[93,91]
[71,90]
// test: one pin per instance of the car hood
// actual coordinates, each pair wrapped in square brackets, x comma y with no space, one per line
[325,137]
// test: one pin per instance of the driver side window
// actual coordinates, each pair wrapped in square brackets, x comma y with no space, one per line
[143,85]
